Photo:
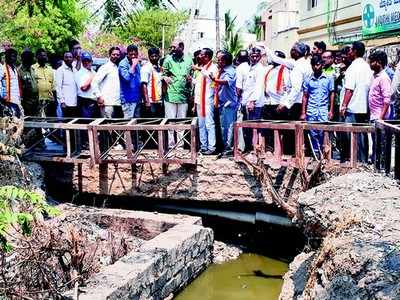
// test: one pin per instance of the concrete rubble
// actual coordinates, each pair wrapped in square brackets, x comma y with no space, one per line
[353,226]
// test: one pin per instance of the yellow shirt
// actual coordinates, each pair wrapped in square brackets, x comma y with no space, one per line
[45,80]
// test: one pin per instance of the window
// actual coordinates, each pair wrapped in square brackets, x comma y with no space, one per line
[312,4]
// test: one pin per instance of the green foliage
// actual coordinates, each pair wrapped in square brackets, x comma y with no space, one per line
[151,4]
[19,208]
[36,6]
[254,27]
[99,43]
[113,15]
[52,30]
[232,41]
[146,25]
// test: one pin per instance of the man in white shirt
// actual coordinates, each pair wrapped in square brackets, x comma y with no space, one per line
[241,73]
[291,104]
[107,86]
[277,85]
[354,108]
[204,93]
[150,75]
[87,100]
[253,97]
[66,87]
[301,71]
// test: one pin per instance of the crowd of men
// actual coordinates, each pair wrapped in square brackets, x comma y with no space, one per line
[312,84]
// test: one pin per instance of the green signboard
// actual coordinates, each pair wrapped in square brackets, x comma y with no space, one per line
[380,16]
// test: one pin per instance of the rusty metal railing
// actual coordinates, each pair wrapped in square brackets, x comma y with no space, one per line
[298,131]
[117,141]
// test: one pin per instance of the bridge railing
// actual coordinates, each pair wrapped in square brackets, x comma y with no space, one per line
[384,144]
[288,141]
[98,141]
[144,140]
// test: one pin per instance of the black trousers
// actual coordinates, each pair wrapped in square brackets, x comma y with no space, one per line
[70,111]
[269,113]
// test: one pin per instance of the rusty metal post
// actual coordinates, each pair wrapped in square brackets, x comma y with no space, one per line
[236,141]
[299,145]
[353,149]
[80,179]
[327,146]
[103,179]
[277,145]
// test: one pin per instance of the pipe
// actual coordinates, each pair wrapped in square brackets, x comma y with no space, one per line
[232,215]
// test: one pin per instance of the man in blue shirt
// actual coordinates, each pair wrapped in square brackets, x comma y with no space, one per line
[129,76]
[318,96]
[226,100]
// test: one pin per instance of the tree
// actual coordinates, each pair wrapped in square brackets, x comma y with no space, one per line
[253,26]
[33,6]
[146,26]
[51,31]
[232,41]
[114,13]
[149,4]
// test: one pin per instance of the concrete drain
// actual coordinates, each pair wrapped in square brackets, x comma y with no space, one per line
[175,250]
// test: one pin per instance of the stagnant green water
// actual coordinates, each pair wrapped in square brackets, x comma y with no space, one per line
[236,280]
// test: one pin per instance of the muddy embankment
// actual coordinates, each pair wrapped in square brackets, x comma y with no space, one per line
[352,224]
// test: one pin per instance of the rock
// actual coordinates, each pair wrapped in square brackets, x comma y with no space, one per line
[356,218]
[223,252]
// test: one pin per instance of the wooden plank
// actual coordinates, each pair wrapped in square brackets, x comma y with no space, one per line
[103,178]
[378,148]
[353,149]
[277,145]
[255,139]
[327,148]
[388,150]
[96,145]
[80,179]
[397,157]
[299,144]
[68,142]
[193,143]
[91,139]
[236,141]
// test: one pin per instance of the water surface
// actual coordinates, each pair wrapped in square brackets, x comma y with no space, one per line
[236,280]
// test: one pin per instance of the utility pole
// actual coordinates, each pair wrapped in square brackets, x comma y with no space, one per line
[217,29]
[163,40]
[163,25]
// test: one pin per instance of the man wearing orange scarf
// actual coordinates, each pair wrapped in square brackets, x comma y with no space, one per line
[204,100]
[10,83]
[150,75]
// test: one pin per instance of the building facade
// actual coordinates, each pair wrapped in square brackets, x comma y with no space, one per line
[200,30]
[340,22]
[280,24]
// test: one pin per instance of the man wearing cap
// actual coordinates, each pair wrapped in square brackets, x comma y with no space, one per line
[46,84]
[87,101]
[301,71]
